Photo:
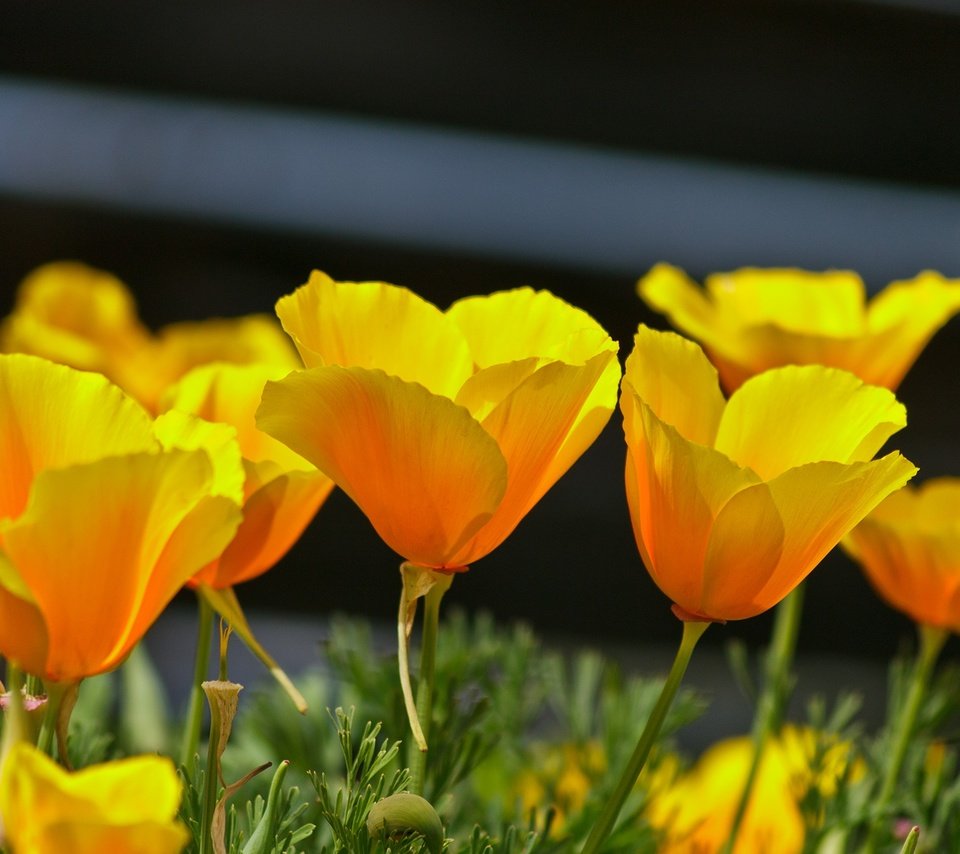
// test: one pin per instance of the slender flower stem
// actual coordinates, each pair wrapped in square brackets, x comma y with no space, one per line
[194,722]
[211,784]
[773,697]
[56,692]
[15,726]
[931,642]
[428,660]
[692,631]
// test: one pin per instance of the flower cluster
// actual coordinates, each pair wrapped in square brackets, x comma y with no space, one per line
[136,464]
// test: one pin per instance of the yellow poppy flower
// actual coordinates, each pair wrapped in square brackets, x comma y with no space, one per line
[696,813]
[281,492]
[76,315]
[909,548]
[751,320]
[100,523]
[734,502]
[86,318]
[444,427]
[125,807]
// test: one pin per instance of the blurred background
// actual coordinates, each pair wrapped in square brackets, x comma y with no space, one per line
[212,154]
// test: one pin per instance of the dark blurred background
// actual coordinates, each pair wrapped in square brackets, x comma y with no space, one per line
[212,154]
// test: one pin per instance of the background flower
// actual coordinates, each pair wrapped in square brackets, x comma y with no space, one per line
[281,490]
[751,320]
[124,807]
[909,548]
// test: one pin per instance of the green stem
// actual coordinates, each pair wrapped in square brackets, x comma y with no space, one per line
[428,660]
[191,730]
[773,697]
[16,727]
[931,643]
[51,716]
[210,787]
[692,631]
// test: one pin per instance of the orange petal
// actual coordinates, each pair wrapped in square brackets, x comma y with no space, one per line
[23,632]
[424,472]
[513,325]
[533,427]
[274,517]
[746,544]
[52,416]
[795,415]
[376,325]
[819,504]
[103,562]
[675,379]
[676,489]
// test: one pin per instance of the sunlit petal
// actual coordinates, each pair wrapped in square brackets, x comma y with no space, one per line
[531,427]
[673,377]
[376,325]
[678,488]
[795,415]
[420,467]
[512,325]
[231,393]
[52,416]
[819,504]
[123,552]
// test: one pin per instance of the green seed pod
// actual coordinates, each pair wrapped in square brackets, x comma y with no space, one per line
[406,814]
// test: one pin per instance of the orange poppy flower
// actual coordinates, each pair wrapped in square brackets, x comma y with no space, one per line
[125,807]
[909,548]
[753,319]
[444,427]
[734,502]
[100,524]
[281,492]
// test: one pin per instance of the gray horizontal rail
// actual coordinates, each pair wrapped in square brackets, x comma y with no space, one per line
[437,189]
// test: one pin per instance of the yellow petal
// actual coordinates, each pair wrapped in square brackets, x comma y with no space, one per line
[102,563]
[669,290]
[831,303]
[532,427]
[274,517]
[513,325]
[675,489]
[424,472]
[819,504]
[902,318]
[180,347]
[795,415]
[230,394]
[186,432]
[75,315]
[128,805]
[376,325]
[52,416]
[675,379]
